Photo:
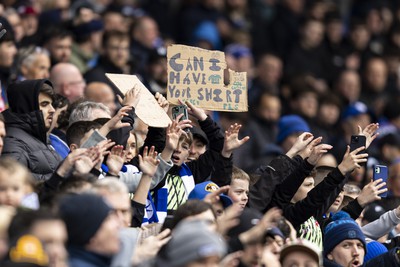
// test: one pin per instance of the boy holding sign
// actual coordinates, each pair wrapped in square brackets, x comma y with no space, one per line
[173,191]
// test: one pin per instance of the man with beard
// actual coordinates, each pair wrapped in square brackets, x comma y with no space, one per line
[27,121]
[345,245]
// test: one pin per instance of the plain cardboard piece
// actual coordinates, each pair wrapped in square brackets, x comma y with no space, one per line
[197,75]
[148,110]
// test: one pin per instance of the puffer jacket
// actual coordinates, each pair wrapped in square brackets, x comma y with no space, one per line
[26,136]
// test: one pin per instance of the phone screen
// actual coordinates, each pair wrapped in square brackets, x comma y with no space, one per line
[178,110]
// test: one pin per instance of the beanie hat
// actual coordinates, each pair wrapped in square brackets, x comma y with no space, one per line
[83,215]
[291,124]
[201,190]
[191,241]
[88,28]
[374,250]
[341,228]
[207,31]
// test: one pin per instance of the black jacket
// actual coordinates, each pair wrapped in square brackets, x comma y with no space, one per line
[271,176]
[26,136]
[317,202]
[211,162]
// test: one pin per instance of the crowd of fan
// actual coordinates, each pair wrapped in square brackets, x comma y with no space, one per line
[84,182]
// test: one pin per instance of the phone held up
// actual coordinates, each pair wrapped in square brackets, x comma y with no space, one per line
[381,172]
[178,110]
[357,141]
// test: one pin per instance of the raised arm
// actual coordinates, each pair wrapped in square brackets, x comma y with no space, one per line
[318,200]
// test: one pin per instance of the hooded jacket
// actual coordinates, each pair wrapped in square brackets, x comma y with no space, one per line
[26,136]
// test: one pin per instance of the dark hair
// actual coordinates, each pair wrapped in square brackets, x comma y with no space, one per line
[60,101]
[76,181]
[108,35]
[22,222]
[1,117]
[9,35]
[392,109]
[390,139]
[190,208]
[78,129]
[55,32]
[48,90]
[299,92]
[330,99]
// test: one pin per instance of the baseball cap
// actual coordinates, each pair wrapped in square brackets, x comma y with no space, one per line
[201,190]
[303,246]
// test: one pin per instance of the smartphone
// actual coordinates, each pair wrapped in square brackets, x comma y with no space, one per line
[381,172]
[178,110]
[357,141]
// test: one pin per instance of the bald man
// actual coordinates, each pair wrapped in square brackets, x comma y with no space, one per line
[68,81]
[101,93]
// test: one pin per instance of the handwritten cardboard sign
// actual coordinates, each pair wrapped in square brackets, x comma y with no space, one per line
[148,110]
[197,75]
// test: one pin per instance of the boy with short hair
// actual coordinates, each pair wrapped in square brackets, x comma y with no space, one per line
[239,187]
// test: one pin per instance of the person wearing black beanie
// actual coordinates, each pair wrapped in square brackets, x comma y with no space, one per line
[92,228]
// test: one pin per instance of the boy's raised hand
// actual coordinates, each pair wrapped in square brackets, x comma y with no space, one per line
[174,132]
[69,162]
[301,143]
[115,160]
[131,97]
[371,192]
[103,147]
[232,140]
[88,160]
[148,163]
[351,160]
[196,112]
[369,132]
[162,101]
[306,152]
[317,153]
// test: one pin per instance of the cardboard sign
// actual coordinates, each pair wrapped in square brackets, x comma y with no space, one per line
[148,110]
[197,75]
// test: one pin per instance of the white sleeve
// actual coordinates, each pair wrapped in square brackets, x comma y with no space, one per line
[381,226]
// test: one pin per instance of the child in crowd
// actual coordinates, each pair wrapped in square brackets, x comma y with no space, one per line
[15,182]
